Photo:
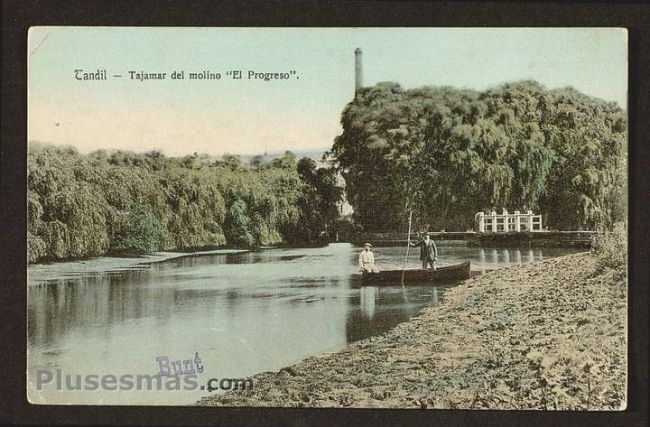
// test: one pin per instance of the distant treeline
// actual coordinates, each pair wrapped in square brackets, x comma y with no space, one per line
[123,202]
[449,153]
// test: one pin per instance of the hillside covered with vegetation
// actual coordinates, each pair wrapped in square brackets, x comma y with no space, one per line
[123,202]
[448,153]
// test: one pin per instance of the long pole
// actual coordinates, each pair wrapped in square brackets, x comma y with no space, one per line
[408,246]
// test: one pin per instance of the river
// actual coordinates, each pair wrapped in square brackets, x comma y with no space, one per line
[242,313]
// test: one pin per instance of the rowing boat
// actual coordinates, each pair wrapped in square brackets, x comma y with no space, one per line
[445,274]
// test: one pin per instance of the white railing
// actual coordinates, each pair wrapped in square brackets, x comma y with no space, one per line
[504,222]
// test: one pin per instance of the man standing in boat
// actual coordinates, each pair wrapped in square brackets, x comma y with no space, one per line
[428,251]
[367,260]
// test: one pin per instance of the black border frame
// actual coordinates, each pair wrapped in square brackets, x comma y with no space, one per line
[18,16]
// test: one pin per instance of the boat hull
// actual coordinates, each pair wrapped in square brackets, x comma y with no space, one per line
[420,277]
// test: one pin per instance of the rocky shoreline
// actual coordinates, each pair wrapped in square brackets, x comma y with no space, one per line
[547,335]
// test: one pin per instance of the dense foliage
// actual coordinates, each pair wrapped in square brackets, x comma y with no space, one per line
[317,202]
[610,248]
[89,205]
[449,153]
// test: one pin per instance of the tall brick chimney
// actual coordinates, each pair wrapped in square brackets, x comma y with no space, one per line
[358,70]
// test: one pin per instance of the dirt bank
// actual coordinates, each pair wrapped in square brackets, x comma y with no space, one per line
[547,335]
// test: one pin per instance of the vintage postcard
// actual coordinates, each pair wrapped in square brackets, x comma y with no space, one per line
[415,218]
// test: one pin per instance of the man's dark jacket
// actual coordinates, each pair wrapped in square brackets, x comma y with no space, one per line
[428,250]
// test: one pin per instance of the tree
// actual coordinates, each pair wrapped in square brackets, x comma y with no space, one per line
[448,153]
[88,205]
[238,227]
[141,231]
[317,203]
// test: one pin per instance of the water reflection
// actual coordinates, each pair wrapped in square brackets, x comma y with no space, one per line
[373,306]
[244,313]
[491,258]
[368,298]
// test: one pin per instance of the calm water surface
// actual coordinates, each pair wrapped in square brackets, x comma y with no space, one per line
[243,313]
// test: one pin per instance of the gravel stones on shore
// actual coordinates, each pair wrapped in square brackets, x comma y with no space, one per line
[548,335]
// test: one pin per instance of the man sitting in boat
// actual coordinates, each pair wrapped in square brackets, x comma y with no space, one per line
[428,251]
[367,260]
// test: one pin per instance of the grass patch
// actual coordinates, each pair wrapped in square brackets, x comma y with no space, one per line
[610,248]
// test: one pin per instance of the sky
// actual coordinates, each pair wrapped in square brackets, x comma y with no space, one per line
[250,116]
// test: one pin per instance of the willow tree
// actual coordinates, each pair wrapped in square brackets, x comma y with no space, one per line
[103,202]
[449,153]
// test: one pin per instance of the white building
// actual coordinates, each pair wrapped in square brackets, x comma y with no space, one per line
[504,222]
